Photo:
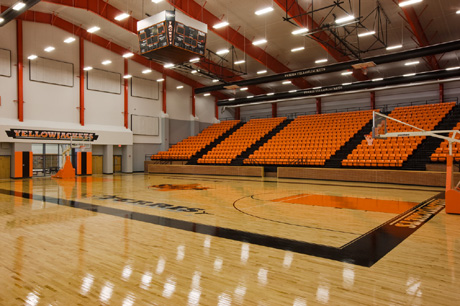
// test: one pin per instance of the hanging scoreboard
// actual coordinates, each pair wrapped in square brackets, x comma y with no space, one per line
[171,37]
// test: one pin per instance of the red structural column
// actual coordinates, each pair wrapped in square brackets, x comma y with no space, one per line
[82,81]
[164,93]
[237,113]
[217,109]
[441,92]
[126,94]
[20,48]
[274,110]
[318,105]
[193,102]
[372,99]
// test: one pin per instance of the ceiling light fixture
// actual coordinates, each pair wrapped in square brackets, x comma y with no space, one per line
[2,20]
[93,29]
[207,94]
[169,65]
[408,74]
[231,99]
[345,19]
[249,97]
[180,87]
[49,49]
[408,2]
[240,62]
[294,90]
[453,68]
[394,47]
[298,49]
[32,57]
[369,33]
[458,12]
[347,73]
[299,31]
[194,60]
[160,80]
[261,71]
[377,79]
[121,17]
[323,60]
[346,84]
[145,71]
[223,51]
[264,11]
[244,88]
[128,54]
[220,25]
[69,40]
[270,94]
[259,42]
[106,62]
[88,68]
[156,1]
[194,71]
[127,76]
[286,82]
[19,6]
[319,87]
[411,63]
[215,80]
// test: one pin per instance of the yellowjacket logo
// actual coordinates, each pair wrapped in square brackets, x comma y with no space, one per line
[49,135]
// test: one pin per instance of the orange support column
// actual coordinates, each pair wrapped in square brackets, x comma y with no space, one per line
[372,99]
[274,110]
[20,63]
[82,81]
[17,165]
[318,105]
[164,93]
[126,94]
[217,109]
[193,102]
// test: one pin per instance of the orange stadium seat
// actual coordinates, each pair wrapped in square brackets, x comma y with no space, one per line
[310,140]
[188,147]
[392,152]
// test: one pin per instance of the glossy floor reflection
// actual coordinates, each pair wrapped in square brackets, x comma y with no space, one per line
[200,240]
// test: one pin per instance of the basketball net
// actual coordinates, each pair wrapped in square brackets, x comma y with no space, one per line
[369,140]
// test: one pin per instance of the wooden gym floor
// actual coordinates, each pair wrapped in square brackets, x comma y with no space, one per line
[139,239]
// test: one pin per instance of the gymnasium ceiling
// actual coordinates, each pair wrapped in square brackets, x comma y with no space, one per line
[426,23]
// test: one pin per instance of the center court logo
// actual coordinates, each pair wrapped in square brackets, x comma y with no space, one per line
[196,211]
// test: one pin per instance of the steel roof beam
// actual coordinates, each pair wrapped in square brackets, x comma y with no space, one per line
[294,10]
[58,22]
[419,32]
[195,10]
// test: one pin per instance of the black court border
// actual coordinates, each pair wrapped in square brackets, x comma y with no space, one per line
[365,250]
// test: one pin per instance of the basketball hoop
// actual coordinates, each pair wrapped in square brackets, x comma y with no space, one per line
[369,139]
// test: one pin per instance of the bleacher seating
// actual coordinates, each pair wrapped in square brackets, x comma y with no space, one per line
[188,147]
[240,141]
[310,140]
[392,152]
[443,151]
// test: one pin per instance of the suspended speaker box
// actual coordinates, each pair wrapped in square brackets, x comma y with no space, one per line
[171,37]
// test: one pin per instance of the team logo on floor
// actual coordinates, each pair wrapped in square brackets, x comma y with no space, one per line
[171,187]
[176,208]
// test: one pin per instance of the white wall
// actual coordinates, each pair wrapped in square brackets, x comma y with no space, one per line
[205,108]
[47,102]
[8,85]
[104,108]
[178,101]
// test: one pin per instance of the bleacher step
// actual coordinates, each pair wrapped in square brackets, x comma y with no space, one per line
[239,160]
[194,159]
[422,155]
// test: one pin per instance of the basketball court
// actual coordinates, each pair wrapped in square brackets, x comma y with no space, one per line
[209,240]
